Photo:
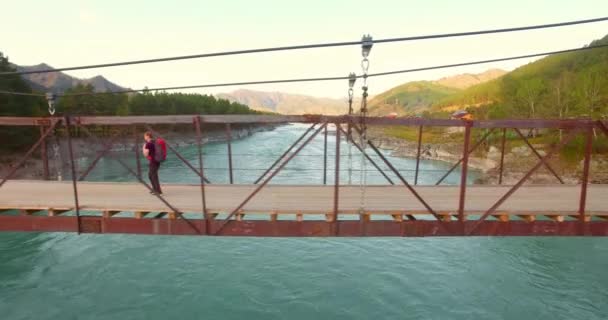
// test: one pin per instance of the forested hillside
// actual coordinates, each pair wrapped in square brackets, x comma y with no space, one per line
[567,85]
[416,97]
[87,103]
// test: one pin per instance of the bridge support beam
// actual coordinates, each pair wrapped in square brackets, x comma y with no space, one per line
[284,228]
[44,154]
[585,180]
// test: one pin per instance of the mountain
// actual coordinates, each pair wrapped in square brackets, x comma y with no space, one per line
[59,81]
[285,103]
[463,81]
[409,98]
[416,97]
[562,85]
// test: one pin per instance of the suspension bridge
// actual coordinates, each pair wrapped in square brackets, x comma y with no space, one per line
[261,208]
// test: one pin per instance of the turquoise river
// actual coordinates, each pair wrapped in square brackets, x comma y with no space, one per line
[66,276]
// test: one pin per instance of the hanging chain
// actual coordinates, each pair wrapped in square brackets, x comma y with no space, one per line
[51,100]
[366,46]
[349,136]
[57,156]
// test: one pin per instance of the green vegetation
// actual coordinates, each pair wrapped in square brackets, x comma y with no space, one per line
[14,105]
[568,85]
[409,98]
[146,103]
[479,94]
[562,86]
[429,135]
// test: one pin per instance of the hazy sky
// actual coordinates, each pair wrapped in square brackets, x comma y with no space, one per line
[67,33]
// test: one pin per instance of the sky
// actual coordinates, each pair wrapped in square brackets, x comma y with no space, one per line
[65,33]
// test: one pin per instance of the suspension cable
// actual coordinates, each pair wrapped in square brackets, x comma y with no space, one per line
[310,46]
[378,74]
[15,93]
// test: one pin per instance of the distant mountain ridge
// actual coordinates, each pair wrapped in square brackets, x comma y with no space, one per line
[409,98]
[286,103]
[60,82]
[465,80]
[559,85]
[418,96]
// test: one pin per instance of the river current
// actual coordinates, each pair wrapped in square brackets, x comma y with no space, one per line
[66,276]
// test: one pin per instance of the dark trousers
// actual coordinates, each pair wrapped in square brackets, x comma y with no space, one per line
[153,175]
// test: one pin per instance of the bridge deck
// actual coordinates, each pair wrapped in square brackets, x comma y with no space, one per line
[94,196]
[557,202]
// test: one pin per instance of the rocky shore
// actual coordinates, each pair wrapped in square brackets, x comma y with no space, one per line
[517,161]
[448,152]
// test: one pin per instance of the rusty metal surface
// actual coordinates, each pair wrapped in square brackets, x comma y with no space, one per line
[545,163]
[28,153]
[464,173]
[136,143]
[585,179]
[132,172]
[354,228]
[44,155]
[418,155]
[28,121]
[229,146]
[418,228]
[199,145]
[337,173]
[274,173]
[373,163]
[502,155]
[73,172]
[553,150]
[325,155]
[406,184]
[471,150]
[187,119]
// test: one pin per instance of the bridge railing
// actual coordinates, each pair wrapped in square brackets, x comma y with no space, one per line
[345,128]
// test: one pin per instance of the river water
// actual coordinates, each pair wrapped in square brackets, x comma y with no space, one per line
[65,276]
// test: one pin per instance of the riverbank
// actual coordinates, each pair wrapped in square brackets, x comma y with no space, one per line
[518,159]
[447,152]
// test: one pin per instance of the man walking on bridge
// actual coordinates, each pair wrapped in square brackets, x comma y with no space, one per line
[155,153]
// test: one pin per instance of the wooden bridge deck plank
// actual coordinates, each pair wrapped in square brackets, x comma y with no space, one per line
[102,196]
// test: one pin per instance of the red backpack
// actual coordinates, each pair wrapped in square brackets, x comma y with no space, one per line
[160,146]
